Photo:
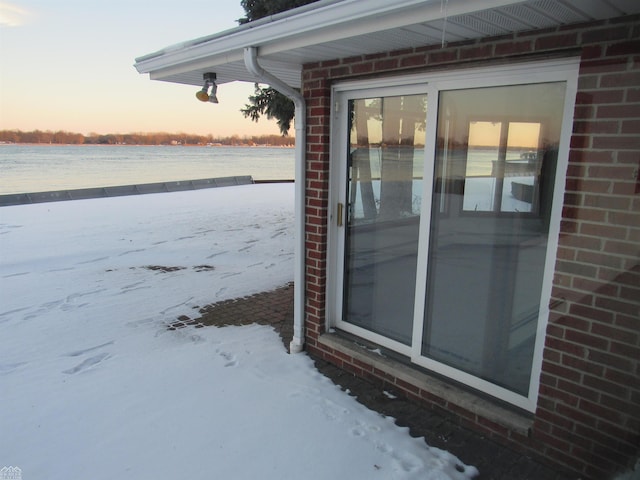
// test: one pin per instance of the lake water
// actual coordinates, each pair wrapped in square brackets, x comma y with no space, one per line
[38,168]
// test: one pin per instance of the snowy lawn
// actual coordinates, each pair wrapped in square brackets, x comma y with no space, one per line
[93,385]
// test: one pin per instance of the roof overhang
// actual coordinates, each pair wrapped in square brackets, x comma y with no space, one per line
[330,29]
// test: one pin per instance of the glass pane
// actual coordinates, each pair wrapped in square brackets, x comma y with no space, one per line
[522,167]
[386,159]
[487,245]
[482,157]
[502,166]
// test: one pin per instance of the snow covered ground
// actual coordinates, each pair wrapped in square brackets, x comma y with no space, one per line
[93,385]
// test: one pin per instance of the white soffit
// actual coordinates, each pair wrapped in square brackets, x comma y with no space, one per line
[330,29]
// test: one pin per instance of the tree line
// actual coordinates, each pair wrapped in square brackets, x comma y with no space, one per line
[158,138]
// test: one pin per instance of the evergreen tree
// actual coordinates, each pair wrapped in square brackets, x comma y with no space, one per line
[268,101]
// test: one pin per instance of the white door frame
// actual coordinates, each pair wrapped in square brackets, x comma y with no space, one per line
[558,70]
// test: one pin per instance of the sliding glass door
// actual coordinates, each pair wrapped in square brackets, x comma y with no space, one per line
[488,240]
[385,162]
[446,206]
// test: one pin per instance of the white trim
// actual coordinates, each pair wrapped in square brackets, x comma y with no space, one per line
[553,236]
[251,62]
[306,27]
[341,94]
[565,70]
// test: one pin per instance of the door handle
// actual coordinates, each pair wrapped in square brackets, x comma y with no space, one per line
[340,213]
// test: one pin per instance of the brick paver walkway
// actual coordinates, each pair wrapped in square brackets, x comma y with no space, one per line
[275,308]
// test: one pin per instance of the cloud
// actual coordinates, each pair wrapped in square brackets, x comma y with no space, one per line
[12,15]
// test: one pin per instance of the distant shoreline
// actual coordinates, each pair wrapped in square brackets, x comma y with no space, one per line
[189,145]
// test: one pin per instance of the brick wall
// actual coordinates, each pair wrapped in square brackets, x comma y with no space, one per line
[588,416]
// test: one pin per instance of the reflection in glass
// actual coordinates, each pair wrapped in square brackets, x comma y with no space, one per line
[386,150]
[502,166]
[488,240]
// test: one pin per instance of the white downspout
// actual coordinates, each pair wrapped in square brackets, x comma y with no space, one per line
[251,62]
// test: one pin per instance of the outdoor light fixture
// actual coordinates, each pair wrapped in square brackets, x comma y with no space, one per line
[204,95]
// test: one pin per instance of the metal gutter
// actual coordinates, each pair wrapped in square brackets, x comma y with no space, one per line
[321,22]
[251,62]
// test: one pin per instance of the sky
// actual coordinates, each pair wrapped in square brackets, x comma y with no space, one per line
[68,65]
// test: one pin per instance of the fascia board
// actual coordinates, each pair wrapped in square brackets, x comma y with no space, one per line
[331,22]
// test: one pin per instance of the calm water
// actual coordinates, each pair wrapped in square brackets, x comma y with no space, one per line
[38,168]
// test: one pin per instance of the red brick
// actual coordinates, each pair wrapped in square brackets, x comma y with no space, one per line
[628,308]
[579,391]
[570,321]
[600,97]
[553,442]
[588,82]
[375,56]
[630,142]
[592,127]
[633,95]
[584,112]
[617,247]
[407,386]
[590,52]
[557,41]
[574,268]
[606,34]
[444,56]
[562,372]
[595,286]
[413,61]
[481,51]
[624,48]
[630,322]
[362,68]
[387,64]
[586,339]
[582,365]
[600,412]
[627,79]
[608,202]
[580,141]
[513,47]
[599,259]
[576,415]
[602,230]
[351,60]
[553,419]
[590,156]
[339,71]
[603,65]
[619,111]
[621,435]
[559,395]
[329,63]
[629,380]
[630,127]
[597,383]
[367,367]
[614,172]
[624,218]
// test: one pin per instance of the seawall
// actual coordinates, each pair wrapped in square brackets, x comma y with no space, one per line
[119,191]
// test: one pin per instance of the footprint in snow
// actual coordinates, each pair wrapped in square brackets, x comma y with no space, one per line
[77,353]
[19,274]
[88,363]
[406,462]
[230,358]
[93,260]
[10,367]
